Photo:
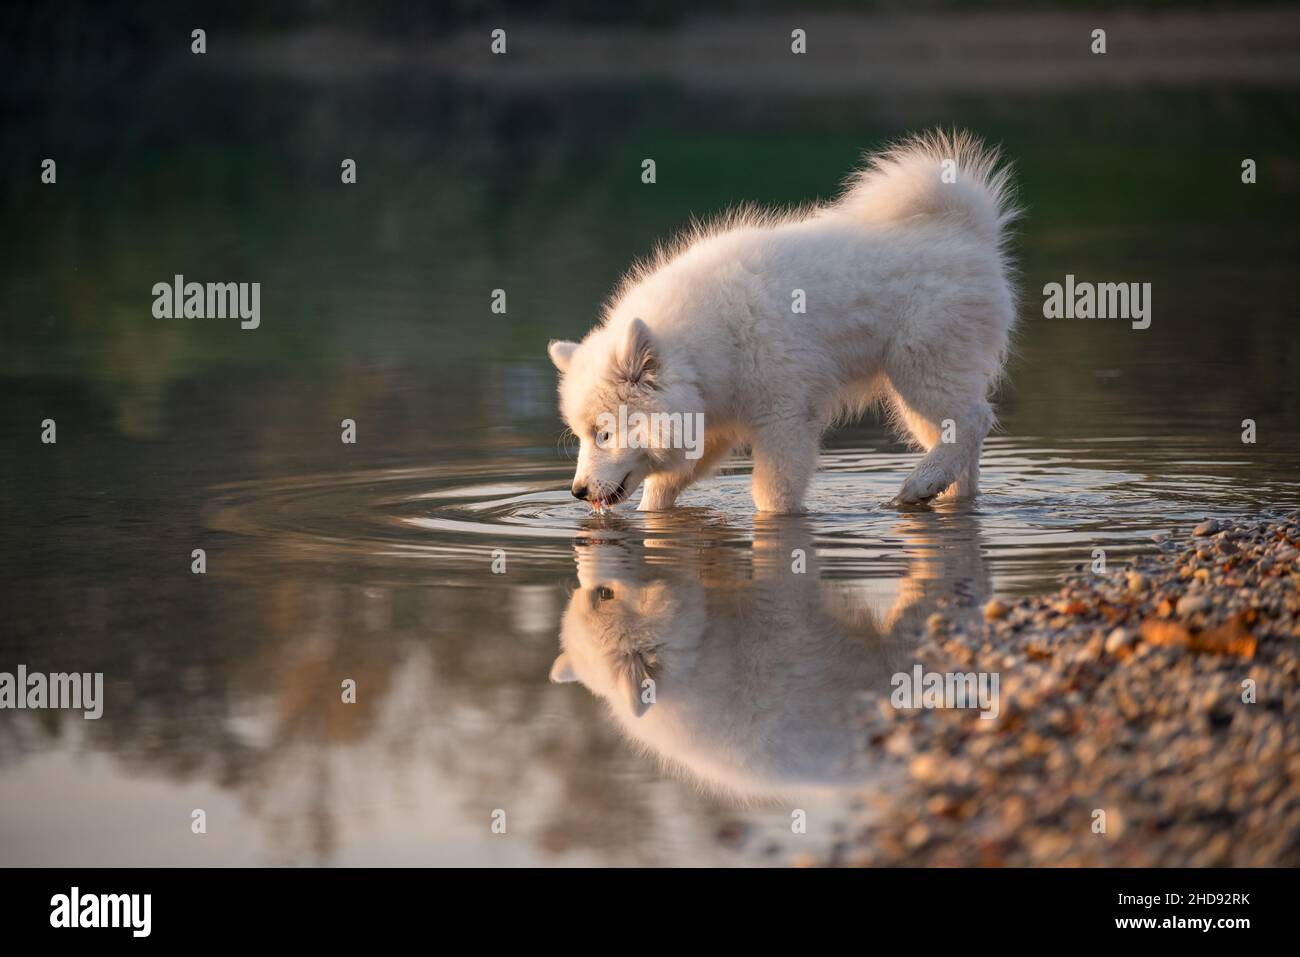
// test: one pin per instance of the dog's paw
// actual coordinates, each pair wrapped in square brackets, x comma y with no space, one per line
[920,490]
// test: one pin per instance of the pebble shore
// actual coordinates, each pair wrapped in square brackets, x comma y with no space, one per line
[1164,695]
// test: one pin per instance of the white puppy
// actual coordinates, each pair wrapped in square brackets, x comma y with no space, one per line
[769,327]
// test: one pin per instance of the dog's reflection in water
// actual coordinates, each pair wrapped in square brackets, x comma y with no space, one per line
[742,668]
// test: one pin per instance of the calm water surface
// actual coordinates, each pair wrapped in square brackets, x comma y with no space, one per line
[374,562]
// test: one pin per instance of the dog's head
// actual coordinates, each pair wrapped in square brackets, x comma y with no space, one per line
[609,642]
[625,406]
[624,615]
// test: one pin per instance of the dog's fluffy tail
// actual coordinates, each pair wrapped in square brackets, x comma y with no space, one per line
[945,176]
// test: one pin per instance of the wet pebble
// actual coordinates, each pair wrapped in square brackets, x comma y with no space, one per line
[1194,604]
[996,609]
[1118,640]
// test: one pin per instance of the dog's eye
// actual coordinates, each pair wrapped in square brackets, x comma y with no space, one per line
[602,438]
[604,593]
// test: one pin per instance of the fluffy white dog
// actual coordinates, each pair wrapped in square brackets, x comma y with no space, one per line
[907,298]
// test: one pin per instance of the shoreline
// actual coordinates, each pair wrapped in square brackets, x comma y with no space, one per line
[1150,716]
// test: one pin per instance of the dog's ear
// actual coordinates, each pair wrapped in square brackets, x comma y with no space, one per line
[562,671]
[630,680]
[638,358]
[561,353]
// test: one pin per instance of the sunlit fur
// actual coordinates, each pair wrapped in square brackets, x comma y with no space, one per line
[909,302]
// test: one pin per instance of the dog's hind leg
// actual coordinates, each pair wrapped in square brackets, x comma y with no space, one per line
[968,482]
[950,423]
[911,424]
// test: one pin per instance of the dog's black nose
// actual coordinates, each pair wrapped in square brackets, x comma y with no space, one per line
[579,491]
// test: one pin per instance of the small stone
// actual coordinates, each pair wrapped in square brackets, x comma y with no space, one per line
[925,769]
[1137,583]
[916,835]
[1207,527]
[1193,604]
[996,609]
[1118,640]
[1015,811]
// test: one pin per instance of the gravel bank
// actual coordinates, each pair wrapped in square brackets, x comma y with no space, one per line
[1164,694]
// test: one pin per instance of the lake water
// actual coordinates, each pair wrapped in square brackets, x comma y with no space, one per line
[374,562]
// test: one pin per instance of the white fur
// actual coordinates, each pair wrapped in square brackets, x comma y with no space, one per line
[908,300]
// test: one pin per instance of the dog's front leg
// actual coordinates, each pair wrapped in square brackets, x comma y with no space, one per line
[661,491]
[785,458]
